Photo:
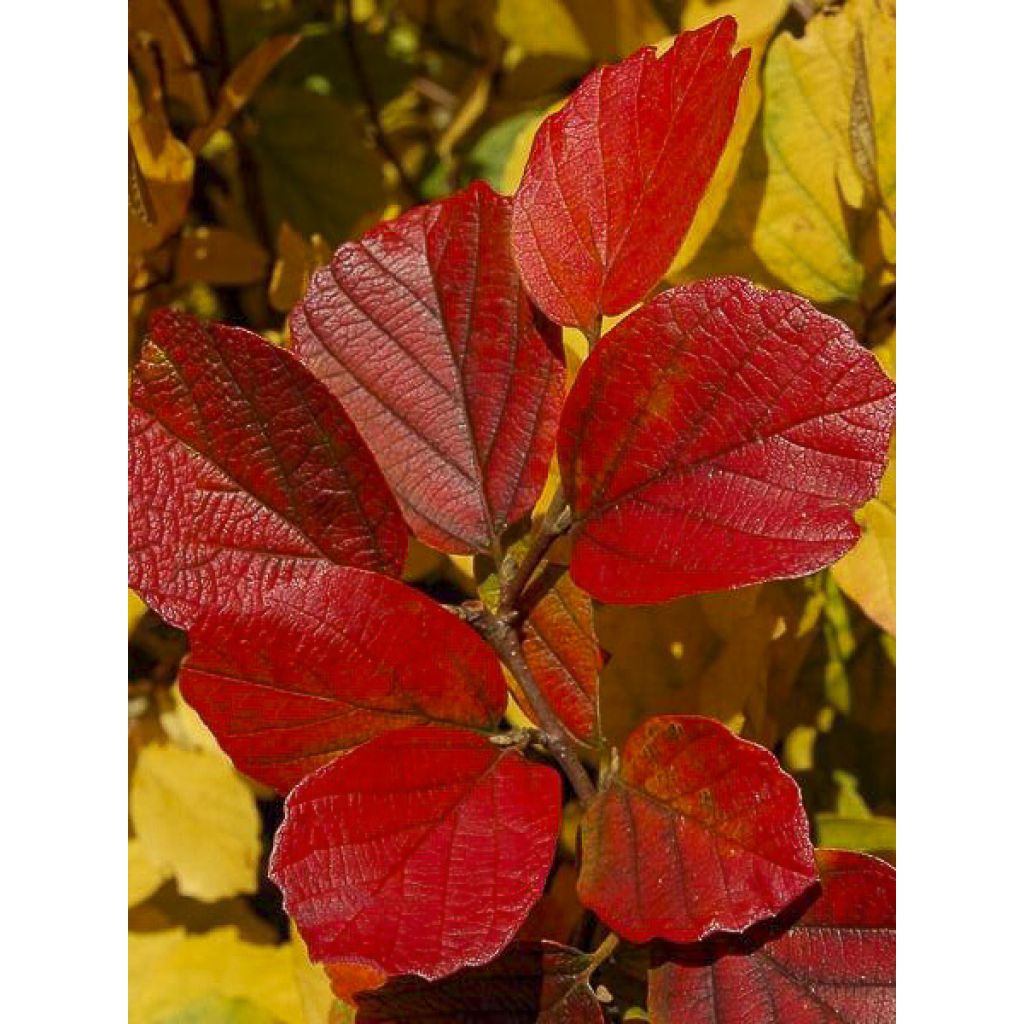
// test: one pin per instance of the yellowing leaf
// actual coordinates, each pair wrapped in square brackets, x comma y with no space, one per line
[756,19]
[144,877]
[827,95]
[170,972]
[195,818]
[312,983]
[217,1009]
[136,609]
[867,574]
[297,258]
[520,151]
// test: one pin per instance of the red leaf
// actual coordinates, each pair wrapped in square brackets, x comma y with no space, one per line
[837,963]
[702,832]
[720,436]
[561,648]
[420,852]
[614,177]
[244,473]
[317,669]
[531,983]
[423,331]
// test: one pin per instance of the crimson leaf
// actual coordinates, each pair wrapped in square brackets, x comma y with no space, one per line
[721,435]
[315,670]
[702,832]
[244,472]
[614,177]
[423,331]
[530,983]
[836,964]
[420,852]
[560,647]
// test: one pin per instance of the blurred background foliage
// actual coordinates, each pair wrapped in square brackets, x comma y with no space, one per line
[262,133]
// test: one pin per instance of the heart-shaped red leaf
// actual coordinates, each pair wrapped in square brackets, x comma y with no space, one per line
[317,669]
[423,330]
[614,177]
[721,435]
[836,964]
[530,983]
[702,832]
[560,646]
[244,472]
[420,852]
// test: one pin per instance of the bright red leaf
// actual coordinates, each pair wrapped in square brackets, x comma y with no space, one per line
[721,435]
[244,473]
[317,669]
[702,832]
[561,649]
[614,177]
[420,852]
[423,330]
[836,964]
[530,983]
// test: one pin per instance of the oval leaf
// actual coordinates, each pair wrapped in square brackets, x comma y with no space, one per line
[530,983]
[244,473]
[702,832]
[420,852]
[614,177]
[837,963]
[561,648]
[423,330]
[720,436]
[318,669]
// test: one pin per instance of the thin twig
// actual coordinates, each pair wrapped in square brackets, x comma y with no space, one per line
[553,524]
[501,635]
[380,138]
[605,950]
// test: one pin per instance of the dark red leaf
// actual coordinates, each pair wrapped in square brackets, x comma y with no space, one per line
[420,852]
[702,832]
[614,177]
[244,473]
[561,648]
[836,964]
[721,435]
[531,983]
[423,330]
[317,669]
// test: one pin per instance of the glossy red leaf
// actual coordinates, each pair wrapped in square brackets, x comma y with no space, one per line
[423,330]
[837,963]
[244,473]
[721,435]
[530,983]
[560,646]
[317,669]
[701,832]
[420,852]
[615,176]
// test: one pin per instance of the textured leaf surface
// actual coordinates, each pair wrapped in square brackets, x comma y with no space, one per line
[244,473]
[614,178]
[702,832]
[420,852]
[424,332]
[720,436]
[318,669]
[531,983]
[561,648]
[836,964]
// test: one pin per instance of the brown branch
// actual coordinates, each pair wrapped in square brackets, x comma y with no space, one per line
[380,138]
[553,524]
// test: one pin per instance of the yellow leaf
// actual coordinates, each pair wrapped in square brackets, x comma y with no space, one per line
[171,971]
[312,983]
[195,818]
[520,151]
[867,574]
[756,19]
[144,877]
[186,729]
[297,258]
[136,609]
[828,116]
[216,1009]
